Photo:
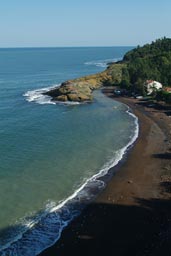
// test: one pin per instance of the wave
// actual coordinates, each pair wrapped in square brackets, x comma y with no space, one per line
[45,229]
[101,63]
[38,96]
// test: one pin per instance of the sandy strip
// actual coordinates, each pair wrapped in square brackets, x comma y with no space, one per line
[132,216]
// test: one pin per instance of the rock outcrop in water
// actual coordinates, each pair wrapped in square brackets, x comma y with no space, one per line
[80,89]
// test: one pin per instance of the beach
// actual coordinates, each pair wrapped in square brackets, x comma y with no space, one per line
[132,215]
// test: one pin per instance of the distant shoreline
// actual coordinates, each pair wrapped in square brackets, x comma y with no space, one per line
[128,216]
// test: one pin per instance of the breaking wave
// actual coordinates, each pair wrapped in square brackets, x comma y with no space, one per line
[101,63]
[38,96]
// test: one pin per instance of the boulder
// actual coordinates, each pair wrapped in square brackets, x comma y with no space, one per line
[61,98]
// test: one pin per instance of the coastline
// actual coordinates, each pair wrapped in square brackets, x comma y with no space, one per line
[130,216]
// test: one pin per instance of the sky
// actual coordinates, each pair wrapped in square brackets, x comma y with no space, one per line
[63,23]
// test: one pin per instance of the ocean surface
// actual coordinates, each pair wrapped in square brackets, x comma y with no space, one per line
[53,157]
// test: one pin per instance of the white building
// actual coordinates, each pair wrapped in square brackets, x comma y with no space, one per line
[151,85]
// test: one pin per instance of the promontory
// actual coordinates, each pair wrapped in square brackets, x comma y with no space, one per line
[149,62]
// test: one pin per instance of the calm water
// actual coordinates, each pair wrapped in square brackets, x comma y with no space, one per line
[51,156]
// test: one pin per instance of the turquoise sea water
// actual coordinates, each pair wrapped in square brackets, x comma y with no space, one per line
[53,155]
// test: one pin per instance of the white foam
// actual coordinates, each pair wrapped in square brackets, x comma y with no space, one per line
[101,63]
[37,95]
[69,103]
[56,217]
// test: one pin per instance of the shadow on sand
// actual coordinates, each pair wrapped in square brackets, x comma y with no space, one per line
[163,155]
[165,108]
[119,230]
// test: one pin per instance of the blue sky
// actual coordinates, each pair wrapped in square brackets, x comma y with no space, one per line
[28,23]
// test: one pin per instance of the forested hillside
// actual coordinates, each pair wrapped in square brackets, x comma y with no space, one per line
[152,61]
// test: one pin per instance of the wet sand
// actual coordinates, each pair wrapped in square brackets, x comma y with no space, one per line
[132,216]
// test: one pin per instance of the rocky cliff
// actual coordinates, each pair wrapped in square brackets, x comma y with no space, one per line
[80,89]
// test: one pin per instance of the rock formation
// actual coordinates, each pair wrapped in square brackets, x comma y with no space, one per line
[79,90]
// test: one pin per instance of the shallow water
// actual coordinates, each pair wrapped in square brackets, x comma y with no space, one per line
[50,153]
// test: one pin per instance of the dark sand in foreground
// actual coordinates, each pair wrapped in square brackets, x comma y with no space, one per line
[132,216]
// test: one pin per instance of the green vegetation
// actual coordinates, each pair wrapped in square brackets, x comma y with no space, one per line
[149,62]
[152,61]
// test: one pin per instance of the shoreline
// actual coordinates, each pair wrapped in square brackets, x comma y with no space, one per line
[123,219]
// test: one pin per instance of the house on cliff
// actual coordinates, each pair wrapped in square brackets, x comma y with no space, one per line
[151,85]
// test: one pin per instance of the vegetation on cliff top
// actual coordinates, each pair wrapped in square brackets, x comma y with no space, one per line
[151,61]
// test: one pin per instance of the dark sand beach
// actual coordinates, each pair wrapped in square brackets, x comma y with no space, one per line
[132,216]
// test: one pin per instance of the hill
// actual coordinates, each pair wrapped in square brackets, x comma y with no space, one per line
[149,62]
[152,61]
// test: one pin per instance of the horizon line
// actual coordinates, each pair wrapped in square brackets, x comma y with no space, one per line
[31,47]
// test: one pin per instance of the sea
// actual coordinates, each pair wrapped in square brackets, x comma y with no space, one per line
[54,157]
